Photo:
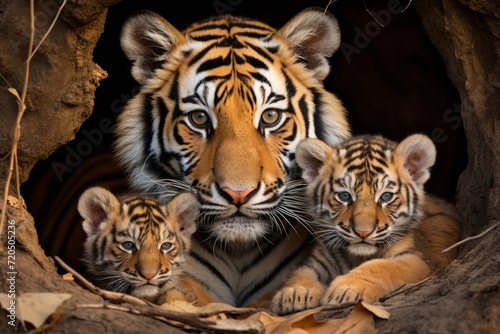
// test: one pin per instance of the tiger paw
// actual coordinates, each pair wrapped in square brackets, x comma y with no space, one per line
[340,294]
[345,289]
[294,299]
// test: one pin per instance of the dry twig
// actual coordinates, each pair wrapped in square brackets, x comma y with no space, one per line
[482,234]
[116,297]
[21,101]
[329,3]
[17,128]
[139,306]
[405,288]
[193,321]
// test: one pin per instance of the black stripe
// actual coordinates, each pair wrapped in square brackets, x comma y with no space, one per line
[210,25]
[200,54]
[260,77]
[255,35]
[208,265]
[147,119]
[261,52]
[242,300]
[206,38]
[214,63]
[256,62]
[291,90]
[325,267]
[319,129]
[250,25]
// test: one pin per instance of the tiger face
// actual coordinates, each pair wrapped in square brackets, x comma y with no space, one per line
[222,108]
[134,244]
[368,191]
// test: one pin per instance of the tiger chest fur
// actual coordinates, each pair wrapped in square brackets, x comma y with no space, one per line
[222,107]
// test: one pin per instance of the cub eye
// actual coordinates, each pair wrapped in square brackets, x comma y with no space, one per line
[386,197]
[270,117]
[128,245]
[166,246]
[199,118]
[343,197]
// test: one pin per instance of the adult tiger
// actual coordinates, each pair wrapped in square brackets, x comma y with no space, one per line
[223,105]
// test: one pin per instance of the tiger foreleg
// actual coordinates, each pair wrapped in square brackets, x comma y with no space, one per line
[187,289]
[301,291]
[375,278]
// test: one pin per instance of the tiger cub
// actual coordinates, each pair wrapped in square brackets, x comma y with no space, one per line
[136,245]
[377,227]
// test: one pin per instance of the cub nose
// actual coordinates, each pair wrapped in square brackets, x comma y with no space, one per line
[363,233]
[147,275]
[239,197]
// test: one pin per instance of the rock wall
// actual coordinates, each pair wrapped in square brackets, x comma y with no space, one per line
[467,34]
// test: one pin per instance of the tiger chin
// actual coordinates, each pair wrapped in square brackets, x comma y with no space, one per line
[137,246]
[377,227]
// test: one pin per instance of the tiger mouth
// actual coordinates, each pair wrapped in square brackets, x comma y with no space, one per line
[362,248]
[238,228]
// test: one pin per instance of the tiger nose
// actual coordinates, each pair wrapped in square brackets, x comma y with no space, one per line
[147,275]
[239,197]
[363,233]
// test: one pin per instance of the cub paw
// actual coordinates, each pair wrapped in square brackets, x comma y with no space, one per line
[345,289]
[340,294]
[294,299]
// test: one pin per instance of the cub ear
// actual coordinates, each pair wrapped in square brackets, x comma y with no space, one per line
[314,35]
[185,209]
[147,39]
[312,154]
[418,154]
[95,206]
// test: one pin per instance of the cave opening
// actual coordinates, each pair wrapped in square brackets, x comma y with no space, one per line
[391,79]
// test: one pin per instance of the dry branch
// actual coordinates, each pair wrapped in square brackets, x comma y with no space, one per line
[480,235]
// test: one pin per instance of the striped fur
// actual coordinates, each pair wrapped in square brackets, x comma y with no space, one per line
[134,244]
[377,228]
[222,107]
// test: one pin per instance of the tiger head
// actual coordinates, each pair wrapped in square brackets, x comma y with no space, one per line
[134,244]
[367,192]
[222,107]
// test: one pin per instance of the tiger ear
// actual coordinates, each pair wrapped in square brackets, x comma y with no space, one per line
[311,155]
[315,36]
[95,206]
[147,39]
[418,154]
[185,209]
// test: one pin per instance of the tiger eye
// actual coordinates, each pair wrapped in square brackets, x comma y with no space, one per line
[199,117]
[344,196]
[128,245]
[270,116]
[166,246]
[386,197]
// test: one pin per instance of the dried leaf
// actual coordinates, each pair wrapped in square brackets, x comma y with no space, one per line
[359,321]
[68,277]
[378,310]
[14,92]
[14,202]
[35,308]
[301,323]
